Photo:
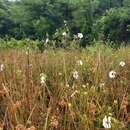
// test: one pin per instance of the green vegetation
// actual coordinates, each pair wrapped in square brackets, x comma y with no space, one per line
[80,81]
[107,20]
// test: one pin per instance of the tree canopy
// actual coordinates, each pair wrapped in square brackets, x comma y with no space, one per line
[96,19]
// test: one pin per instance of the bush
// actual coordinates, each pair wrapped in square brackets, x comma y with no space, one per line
[114,25]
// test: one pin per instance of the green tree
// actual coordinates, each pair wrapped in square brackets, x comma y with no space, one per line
[5,22]
[115,24]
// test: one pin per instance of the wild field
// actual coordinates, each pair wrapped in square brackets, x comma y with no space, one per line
[84,89]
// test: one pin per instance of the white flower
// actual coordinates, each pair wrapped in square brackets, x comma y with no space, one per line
[2,67]
[75,75]
[75,92]
[112,74]
[27,53]
[47,40]
[43,78]
[84,86]
[122,63]
[60,74]
[79,62]
[85,93]
[69,104]
[87,84]
[107,122]
[67,85]
[65,21]
[80,35]
[64,33]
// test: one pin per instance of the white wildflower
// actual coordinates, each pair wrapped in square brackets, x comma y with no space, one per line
[2,67]
[84,86]
[75,92]
[112,74]
[85,93]
[67,85]
[87,84]
[69,104]
[80,35]
[64,33]
[27,53]
[107,122]
[122,64]
[43,78]
[75,75]
[79,62]
[60,74]
[65,21]
[47,40]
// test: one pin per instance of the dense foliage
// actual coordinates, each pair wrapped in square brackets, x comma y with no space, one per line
[107,20]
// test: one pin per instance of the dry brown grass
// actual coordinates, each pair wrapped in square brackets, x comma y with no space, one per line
[64,103]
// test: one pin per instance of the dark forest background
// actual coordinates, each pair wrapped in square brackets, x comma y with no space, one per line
[107,20]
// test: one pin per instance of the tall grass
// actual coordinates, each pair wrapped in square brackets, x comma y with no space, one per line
[64,102]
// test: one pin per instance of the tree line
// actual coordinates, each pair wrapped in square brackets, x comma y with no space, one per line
[107,20]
